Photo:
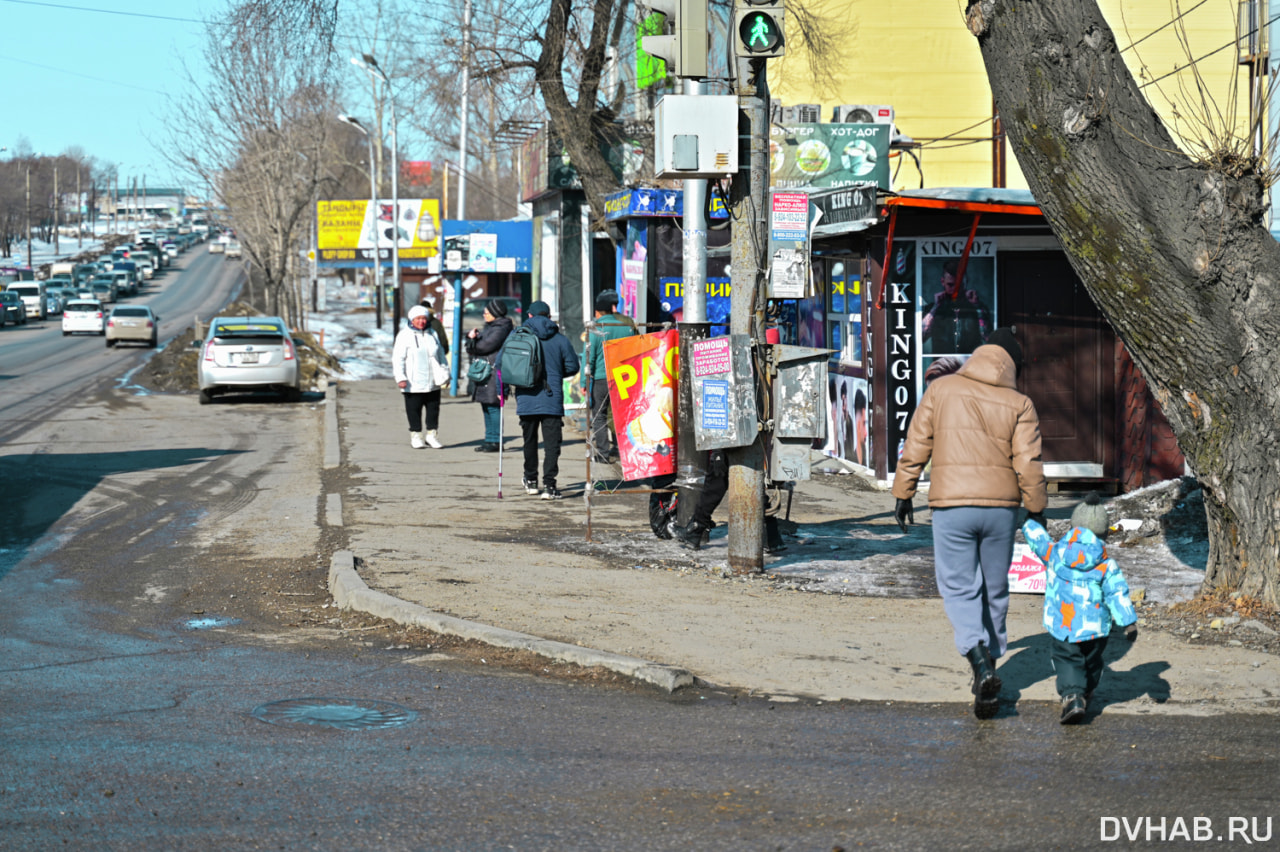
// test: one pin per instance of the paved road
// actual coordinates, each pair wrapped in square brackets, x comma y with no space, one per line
[155,553]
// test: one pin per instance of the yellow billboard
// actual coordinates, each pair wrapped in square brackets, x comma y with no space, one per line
[358,230]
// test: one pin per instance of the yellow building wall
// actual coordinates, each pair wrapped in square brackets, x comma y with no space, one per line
[917,56]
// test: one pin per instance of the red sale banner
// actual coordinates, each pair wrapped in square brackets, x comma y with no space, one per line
[642,373]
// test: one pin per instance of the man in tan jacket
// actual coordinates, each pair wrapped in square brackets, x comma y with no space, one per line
[984,438]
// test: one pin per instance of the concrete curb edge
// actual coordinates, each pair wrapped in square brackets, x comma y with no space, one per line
[351,592]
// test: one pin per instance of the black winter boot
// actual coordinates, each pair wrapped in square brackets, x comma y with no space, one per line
[986,684]
[693,535]
[773,541]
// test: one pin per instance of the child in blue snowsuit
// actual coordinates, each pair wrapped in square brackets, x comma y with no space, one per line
[1084,591]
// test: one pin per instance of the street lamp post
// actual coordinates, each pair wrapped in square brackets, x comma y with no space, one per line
[367,62]
[373,201]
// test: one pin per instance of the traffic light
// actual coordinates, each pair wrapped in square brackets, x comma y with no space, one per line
[684,47]
[758,28]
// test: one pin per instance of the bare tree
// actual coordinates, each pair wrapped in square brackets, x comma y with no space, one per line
[259,133]
[1171,247]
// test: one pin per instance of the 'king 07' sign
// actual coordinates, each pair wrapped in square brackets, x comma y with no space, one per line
[900,340]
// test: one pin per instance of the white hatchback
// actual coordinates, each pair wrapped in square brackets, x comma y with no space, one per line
[83,316]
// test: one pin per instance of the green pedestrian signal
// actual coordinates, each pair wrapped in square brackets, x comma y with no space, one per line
[759,28]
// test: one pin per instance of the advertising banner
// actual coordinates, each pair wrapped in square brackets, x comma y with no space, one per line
[829,155]
[359,230]
[642,373]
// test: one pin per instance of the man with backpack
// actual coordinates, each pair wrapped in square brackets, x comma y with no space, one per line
[535,361]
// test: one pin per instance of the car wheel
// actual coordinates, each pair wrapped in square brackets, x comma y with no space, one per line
[292,395]
[110,342]
[206,397]
[102,333]
[152,344]
[66,334]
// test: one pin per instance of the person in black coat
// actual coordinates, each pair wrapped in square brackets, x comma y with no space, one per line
[541,409]
[484,344]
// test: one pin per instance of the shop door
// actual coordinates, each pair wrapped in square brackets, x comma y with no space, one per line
[1067,368]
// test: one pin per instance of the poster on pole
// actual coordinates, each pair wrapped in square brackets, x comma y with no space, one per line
[642,373]
[788,244]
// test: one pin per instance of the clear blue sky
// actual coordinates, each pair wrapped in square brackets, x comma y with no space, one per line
[96,74]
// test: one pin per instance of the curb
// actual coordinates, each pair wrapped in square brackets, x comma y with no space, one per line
[351,592]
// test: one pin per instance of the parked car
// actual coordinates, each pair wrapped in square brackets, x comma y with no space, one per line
[132,323]
[248,353]
[232,249]
[83,316]
[15,311]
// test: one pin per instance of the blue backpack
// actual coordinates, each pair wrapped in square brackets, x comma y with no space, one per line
[522,365]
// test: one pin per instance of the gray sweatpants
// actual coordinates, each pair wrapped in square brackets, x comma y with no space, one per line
[972,549]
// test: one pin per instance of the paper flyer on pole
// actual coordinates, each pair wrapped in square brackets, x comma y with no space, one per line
[642,373]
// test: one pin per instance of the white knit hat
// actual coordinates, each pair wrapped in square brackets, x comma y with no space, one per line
[417,311]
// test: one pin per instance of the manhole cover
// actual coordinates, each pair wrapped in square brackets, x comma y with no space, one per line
[344,714]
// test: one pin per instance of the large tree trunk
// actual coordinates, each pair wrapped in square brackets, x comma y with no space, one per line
[1172,250]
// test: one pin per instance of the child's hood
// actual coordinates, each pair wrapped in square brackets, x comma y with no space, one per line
[1080,550]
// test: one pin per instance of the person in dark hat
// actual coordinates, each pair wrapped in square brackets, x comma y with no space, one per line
[541,409]
[608,325]
[484,344]
[983,436]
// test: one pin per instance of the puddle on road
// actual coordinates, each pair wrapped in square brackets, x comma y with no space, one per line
[209,622]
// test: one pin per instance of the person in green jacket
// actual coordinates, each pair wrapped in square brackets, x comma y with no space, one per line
[607,326]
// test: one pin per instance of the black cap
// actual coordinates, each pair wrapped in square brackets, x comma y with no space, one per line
[607,300]
[1004,338]
[496,308]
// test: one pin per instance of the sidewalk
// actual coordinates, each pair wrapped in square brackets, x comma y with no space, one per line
[439,548]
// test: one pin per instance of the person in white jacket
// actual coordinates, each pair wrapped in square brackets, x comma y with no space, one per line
[418,362]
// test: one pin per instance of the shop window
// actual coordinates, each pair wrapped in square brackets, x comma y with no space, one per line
[844,308]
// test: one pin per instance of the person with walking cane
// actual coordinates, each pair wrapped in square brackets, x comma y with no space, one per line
[483,345]
[984,438]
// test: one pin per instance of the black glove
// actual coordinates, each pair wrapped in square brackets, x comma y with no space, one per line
[1131,632]
[904,513]
[1038,517]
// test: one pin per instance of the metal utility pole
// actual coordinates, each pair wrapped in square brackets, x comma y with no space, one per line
[29,266]
[373,213]
[57,202]
[455,357]
[746,464]
[79,214]
[462,123]
[691,463]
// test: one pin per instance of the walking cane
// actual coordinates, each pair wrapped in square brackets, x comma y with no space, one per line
[502,423]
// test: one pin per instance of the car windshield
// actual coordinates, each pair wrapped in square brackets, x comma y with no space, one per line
[130,312]
[83,306]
